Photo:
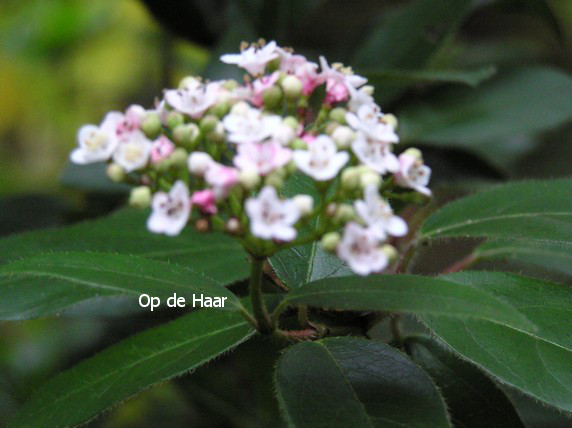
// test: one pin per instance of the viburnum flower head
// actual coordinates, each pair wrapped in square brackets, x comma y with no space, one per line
[321,161]
[171,210]
[270,217]
[229,150]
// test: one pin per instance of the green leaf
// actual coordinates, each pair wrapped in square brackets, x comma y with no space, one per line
[46,284]
[300,265]
[473,400]
[537,362]
[471,78]
[355,382]
[406,293]
[533,210]
[554,256]
[156,355]
[418,29]
[213,254]
[522,101]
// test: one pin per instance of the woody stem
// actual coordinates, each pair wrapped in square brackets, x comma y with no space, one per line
[256,297]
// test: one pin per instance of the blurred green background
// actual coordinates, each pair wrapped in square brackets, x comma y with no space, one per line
[483,86]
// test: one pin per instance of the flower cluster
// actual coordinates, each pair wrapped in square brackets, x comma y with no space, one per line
[219,155]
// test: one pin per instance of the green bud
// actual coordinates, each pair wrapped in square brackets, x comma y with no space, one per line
[274,180]
[186,135]
[187,81]
[291,167]
[350,178]
[369,178]
[217,134]
[208,123]
[292,87]
[140,197]
[220,110]
[249,179]
[331,127]
[330,241]
[179,157]
[115,173]
[390,252]
[344,213]
[416,153]
[151,125]
[298,144]
[338,114]
[390,120]
[230,84]
[292,122]
[272,97]
[174,119]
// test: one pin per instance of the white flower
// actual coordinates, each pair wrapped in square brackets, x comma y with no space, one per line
[341,75]
[375,154]
[367,120]
[249,125]
[271,217]
[358,98]
[378,215]
[133,154]
[413,174]
[321,161]
[290,62]
[199,162]
[171,210]
[253,59]
[194,98]
[97,143]
[261,157]
[222,178]
[361,251]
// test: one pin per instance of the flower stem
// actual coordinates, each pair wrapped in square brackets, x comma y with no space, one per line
[256,297]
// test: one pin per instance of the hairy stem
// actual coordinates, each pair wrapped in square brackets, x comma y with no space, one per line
[256,297]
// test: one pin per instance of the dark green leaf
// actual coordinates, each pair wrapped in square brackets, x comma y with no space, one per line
[467,77]
[523,101]
[406,293]
[472,398]
[46,284]
[154,356]
[300,265]
[355,382]
[534,210]
[555,256]
[408,37]
[537,362]
[215,255]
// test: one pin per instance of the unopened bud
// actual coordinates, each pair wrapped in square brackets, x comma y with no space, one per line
[202,225]
[240,108]
[115,173]
[151,125]
[275,180]
[271,97]
[140,197]
[178,158]
[330,241]
[186,135]
[209,123]
[232,226]
[220,109]
[343,136]
[390,120]
[350,178]
[174,119]
[188,81]
[249,179]
[370,178]
[292,87]
[331,127]
[298,144]
[292,122]
[344,213]
[217,135]
[338,115]
[230,84]
[390,252]
[367,89]
[199,162]
[416,153]
[304,203]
